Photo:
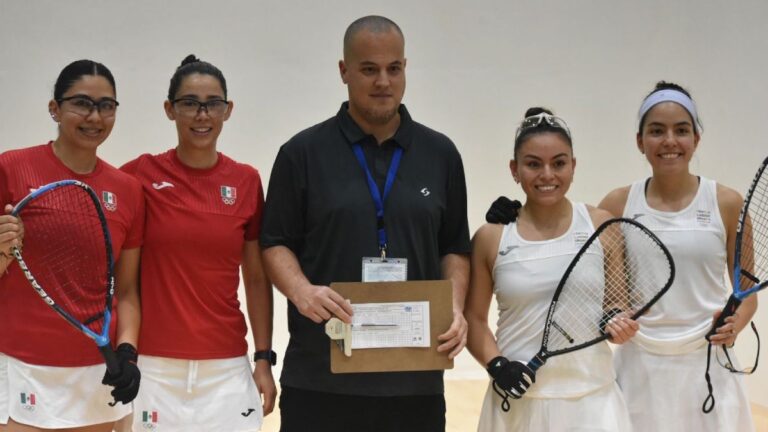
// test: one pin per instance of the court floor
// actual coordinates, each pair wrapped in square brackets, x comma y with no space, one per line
[463,400]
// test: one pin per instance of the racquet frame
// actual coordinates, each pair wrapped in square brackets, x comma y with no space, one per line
[101,339]
[738,296]
[544,354]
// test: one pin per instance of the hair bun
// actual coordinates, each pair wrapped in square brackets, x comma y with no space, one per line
[189,59]
[532,111]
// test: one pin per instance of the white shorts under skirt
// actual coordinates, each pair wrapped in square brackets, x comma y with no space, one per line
[603,410]
[51,397]
[196,395]
[666,392]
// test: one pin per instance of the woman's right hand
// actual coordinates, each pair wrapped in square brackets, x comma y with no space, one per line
[11,232]
[513,377]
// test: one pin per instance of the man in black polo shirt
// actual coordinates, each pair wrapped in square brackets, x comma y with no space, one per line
[367,181]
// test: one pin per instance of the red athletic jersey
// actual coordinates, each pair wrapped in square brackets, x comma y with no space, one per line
[29,329]
[197,223]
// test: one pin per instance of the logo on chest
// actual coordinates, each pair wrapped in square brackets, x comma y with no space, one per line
[228,195]
[703,217]
[162,185]
[507,250]
[579,238]
[109,200]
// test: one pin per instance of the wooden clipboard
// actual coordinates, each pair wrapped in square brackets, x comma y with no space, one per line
[437,293]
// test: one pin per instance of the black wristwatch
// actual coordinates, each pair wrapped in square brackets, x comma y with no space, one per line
[267,355]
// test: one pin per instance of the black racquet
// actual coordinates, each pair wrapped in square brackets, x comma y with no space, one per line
[750,264]
[67,258]
[622,268]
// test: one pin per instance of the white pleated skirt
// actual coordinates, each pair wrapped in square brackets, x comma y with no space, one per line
[665,393]
[603,410]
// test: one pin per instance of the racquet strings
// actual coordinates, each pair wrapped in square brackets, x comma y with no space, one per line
[752,262]
[754,241]
[623,269]
[65,250]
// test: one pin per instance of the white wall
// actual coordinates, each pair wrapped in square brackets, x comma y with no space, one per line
[473,68]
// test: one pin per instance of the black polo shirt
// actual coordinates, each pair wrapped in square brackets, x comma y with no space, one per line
[319,206]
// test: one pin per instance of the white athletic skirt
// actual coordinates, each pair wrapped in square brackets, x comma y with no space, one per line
[666,392]
[55,397]
[601,411]
[196,395]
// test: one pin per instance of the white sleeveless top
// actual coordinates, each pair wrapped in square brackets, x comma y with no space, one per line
[696,238]
[525,275]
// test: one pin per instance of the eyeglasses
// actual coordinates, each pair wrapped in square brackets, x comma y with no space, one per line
[84,106]
[191,107]
[538,119]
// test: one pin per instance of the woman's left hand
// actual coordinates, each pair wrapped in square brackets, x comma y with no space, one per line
[621,328]
[265,383]
[725,334]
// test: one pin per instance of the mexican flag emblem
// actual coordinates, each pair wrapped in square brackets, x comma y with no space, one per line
[228,195]
[110,200]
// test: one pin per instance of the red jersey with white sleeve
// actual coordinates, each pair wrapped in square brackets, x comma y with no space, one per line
[197,223]
[30,330]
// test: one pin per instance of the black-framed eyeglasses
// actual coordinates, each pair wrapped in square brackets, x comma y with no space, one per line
[191,107]
[84,106]
[538,119]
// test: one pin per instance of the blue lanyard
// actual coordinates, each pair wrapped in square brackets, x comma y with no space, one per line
[378,199]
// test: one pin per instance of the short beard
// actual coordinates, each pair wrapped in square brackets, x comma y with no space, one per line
[379,117]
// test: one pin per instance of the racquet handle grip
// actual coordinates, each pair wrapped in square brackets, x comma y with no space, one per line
[113,366]
[728,310]
[535,363]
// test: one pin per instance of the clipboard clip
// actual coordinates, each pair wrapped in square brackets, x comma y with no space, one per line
[341,333]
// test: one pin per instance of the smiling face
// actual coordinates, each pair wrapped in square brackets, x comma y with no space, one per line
[89,131]
[374,72]
[201,128]
[668,139]
[544,166]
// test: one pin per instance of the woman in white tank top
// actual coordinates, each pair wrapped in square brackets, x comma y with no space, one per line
[661,371]
[521,263]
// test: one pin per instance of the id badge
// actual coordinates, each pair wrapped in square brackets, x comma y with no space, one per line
[376,269]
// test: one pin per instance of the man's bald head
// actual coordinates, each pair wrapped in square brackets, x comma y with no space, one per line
[371,23]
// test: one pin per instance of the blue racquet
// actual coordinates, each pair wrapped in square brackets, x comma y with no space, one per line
[750,266]
[750,269]
[67,258]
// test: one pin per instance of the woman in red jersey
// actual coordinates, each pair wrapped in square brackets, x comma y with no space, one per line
[203,219]
[50,374]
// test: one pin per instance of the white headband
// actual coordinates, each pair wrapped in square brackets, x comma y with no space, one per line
[670,95]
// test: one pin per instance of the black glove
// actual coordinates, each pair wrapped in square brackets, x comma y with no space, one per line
[503,211]
[125,383]
[510,379]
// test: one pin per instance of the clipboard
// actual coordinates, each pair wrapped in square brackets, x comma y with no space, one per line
[440,297]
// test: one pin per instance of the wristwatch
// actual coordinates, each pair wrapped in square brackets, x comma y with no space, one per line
[267,355]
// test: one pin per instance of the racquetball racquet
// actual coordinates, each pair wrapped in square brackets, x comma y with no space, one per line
[621,268]
[750,264]
[67,258]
